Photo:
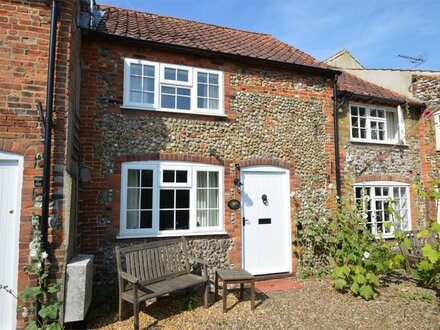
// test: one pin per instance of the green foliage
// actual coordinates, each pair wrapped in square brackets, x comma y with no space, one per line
[360,256]
[190,301]
[313,240]
[42,294]
[414,296]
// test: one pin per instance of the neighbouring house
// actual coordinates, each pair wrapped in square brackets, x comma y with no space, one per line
[166,127]
[417,158]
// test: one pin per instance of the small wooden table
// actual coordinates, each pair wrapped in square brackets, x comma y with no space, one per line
[234,276]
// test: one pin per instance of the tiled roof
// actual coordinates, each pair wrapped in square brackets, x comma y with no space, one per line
[349,83]
[180,32]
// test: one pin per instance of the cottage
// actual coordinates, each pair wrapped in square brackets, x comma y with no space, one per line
[165,127]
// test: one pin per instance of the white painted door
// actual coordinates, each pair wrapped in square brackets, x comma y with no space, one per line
[10,191]
[266,220]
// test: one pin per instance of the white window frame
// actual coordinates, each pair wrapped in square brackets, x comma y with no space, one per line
[390,185]
[400,129]
[437,130]
[157,167]
[159,81]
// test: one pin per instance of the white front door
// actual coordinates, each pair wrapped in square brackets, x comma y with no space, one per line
[266,239]
[10,192]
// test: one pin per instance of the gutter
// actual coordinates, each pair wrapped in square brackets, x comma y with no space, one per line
[323,71]
[48,131]
[384,99]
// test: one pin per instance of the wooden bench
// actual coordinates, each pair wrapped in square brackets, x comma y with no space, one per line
[150,270]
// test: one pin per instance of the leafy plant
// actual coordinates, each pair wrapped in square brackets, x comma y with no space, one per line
[359,256]
[41,294]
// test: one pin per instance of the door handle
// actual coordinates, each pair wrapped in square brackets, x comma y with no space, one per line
[11,211]
[245,221]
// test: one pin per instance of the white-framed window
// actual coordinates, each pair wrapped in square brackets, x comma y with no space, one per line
[169,87]
[375,124]
[437,130]
[374,200]
[160,198]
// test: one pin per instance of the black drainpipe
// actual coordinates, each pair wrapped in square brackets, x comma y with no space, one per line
[336,134]
[48,131]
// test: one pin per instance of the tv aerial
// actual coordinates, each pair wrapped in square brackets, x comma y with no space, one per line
[415,60]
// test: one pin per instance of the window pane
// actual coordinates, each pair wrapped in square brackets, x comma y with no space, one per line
[182,219]
[213,218]
[362,112]
[166,220]
[213,78]
[170,74]
[213,198]
[213,179]
[133,178]
[147,178]
[202,90]
[150,98]
[168,101]
[202,218]
[132,198]
[166,199]
[149,84]
[355,132]
[202,199]
[132,219]
[147,199]
[374,135]
[146,219]
[354,111]
[168,90]
[148,70]
[135,96]
[136,69]
[381,135]
[363,133]
[183,91]
[381,113]
[168,176]
[213,91]
[373,113]
[202,77]
[202,179]
[136,83]
[202,103]
[182,199]
[182,176]
[363,122]
[183,103]
[182,75]
[354,121]
[213,104]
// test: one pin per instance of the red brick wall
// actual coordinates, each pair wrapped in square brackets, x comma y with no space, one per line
[24,40]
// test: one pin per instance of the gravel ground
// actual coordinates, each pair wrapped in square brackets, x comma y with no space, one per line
[316,306]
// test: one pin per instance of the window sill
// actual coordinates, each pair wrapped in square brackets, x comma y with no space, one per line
[181,112]
[379,143]
[207,233]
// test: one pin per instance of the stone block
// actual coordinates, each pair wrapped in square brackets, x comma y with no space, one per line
[79,281]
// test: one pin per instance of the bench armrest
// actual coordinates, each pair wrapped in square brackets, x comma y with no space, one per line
[198,260]
[129,278]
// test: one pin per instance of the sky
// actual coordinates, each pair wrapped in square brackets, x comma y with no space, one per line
[375,32]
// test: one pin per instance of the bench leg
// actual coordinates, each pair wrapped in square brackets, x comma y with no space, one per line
[253,295]
[241,290]
[206,293]
[225,293]
[136,315]
[121,308]
[216,287]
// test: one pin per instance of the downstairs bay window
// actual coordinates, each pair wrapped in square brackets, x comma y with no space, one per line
[169,198]
[169,87]
[374,200]
[375,124]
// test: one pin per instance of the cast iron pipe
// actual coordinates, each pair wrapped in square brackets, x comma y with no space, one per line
[48,135]
[336,138]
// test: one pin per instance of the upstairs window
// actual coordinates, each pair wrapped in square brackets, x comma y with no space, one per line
[376,124]
[374,199]
[169,87]
[171,198]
